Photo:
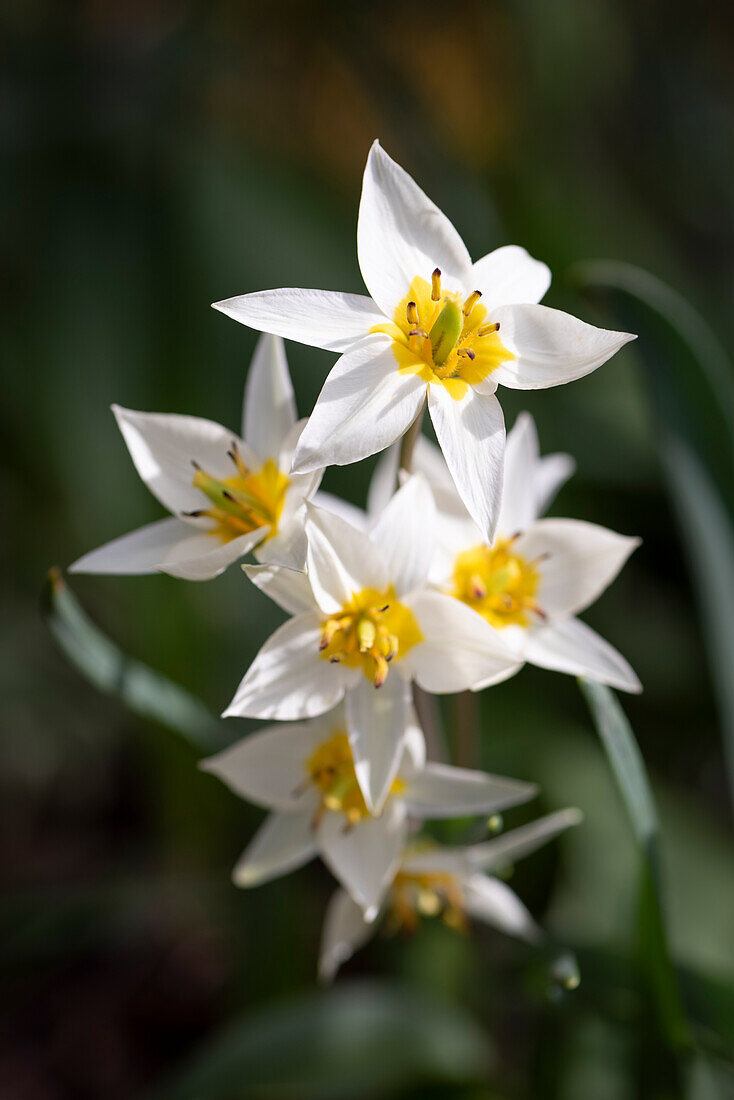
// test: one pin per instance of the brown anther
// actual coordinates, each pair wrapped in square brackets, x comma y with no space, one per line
[334,660]
[471,301]
[381,671]
[419,332]
[195,464]
[477,587]
[436,285]
[487,330]
[466,353]
[195,514]
[382,610]
[228,496]
[412,313]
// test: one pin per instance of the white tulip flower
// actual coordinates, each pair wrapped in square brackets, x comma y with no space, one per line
[366,624]
[436,328]
[451,883]
[228,495]
[305,774]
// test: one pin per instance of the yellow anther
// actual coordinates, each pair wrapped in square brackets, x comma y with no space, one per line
[498,583]
[471,301]
[487,330]
[366,632]
[381,671]
[477,587]
[412,312]
[436,285]
[428,903]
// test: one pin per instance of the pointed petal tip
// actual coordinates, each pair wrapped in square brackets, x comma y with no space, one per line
[370,913]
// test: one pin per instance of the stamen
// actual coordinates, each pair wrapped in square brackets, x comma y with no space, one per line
[436,285]
[419,332]
[412,312]
[471,301]
[477,587]
[381,671]
[196,513]
[466,353]
[195,464]
[487,330]
[366,632]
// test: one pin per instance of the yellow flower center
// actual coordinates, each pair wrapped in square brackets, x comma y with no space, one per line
[243,502]
[432,894]
[369,632]
[498,583]
[443,339]
[331,769]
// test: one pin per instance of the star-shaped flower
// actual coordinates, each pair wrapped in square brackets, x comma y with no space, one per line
[365,623]
[436,327]
[228,495]
[451,883]
[304,773]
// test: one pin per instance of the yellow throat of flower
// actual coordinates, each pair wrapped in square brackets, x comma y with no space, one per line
[242,503]
[498,583]
[369,632]
[432,894]
[443,339]
[331,770]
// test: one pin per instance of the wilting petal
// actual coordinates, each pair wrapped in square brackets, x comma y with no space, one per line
[377,720]
[572,646]
[579,560]
[401,234]
[550,347]
[283,843]
[471,433]
[404,532]
[162,446]
[440,790]
[510,275]
[269,767]
[269,410]
[201,557]
[345,930]
[518,843]
[287,587]
[341,561]
[459,648]
[288,679]
[136,553]
[493,902]
[323,318]
[366,856]
[365,405]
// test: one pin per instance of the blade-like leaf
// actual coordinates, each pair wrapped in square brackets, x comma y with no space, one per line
[139,687]
[629,771]
[361,1040]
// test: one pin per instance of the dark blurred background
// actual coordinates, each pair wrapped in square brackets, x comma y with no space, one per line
[167,154]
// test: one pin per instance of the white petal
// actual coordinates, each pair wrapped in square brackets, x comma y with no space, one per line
[269,411]
[572,646]
[552,473]
[365,857]
[519,494]
[579,561]
[441,790]
[384,480]
[341,561]
[323,318]
[288,679]
[345,930]
[136,553]
[493,902]
[288,547]
[404,533]
[377,720]
[329,502]
[162,447]
[471,433]
[459,647]
[518,843]
[269,767]
[510,275]
[438,859]
[401,234]
[283,843]
[287,587]
[550,347]
[365,405]
[201,557]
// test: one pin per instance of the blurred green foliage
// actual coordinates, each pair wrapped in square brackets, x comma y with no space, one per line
[170,154]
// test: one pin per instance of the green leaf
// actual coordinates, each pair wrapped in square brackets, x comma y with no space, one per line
[691,385]
[356,1040]
[628,768]
[144,691]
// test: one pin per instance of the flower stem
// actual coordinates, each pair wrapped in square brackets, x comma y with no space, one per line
[408,442]
[467,715]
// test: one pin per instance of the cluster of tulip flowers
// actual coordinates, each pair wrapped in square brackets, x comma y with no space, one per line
[448,581]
